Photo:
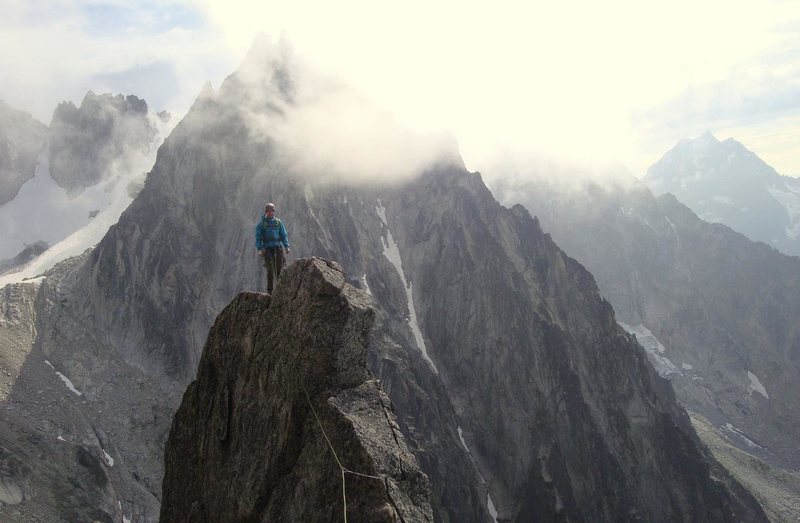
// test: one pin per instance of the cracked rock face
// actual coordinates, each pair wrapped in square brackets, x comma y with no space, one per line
[73,446]
[91,142]
[247,443]
[724,182]
[720,310]
[510,376]
[22,137]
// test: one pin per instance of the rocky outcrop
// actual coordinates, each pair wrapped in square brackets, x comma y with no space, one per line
[717,311]
[501,304]
[514,387]
[21,140]
[81,432]
[724,182]
[90,143]
[284,411]
[30,252]
[777,490]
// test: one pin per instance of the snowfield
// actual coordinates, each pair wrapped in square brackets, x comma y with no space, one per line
[44,211]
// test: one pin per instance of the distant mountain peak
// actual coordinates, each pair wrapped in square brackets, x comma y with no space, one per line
[207,89]
[706,138]
[706,158]
[289,378]
[727,183]
[21,139]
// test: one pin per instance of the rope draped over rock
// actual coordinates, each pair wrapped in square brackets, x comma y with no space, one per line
[344,470]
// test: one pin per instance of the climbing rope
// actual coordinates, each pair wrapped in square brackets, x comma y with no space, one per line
[344,470]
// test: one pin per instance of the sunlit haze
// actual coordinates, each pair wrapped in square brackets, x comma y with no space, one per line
[584,82]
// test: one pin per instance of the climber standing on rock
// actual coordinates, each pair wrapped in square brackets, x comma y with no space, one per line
[271,240]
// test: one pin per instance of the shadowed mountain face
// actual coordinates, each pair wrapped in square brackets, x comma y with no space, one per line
[90,143]
[507,369]
[724,182]
[95,161]
[717,312]
[22,137]
[294,364]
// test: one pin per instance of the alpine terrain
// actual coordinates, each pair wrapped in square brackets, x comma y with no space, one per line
[715,311]
[75,181]
[22,137]
[726,183]
[515,389]
[268,361]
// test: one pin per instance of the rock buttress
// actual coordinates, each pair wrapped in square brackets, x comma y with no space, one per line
[246,445]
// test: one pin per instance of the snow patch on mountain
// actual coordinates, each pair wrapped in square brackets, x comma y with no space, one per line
[755,385]
[44,211]
[729,428]
[674,230]
[365,284]
[654,348]
[65,379]
[489,501]
[710,217]
[392,253]
[108,458]
[790,199]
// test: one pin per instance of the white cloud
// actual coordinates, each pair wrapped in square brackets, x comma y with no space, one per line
[571,79]
[326,128]
[64,49]
[568,79]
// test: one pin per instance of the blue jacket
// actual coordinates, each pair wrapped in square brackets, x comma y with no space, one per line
[271,233]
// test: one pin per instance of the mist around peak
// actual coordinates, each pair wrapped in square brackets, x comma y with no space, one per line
[94,162]
[513,177]
[725,182]
[323,129]
[21,139]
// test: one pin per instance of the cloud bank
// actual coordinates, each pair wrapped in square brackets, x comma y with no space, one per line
[58,50]
[581,81]
[323,127]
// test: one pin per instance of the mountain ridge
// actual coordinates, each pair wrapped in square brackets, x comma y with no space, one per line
[22,137]
[487,336]
[267,362]
[727,183]
[93,161]
[714,309]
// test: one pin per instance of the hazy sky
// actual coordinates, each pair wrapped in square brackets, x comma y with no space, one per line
[586,81]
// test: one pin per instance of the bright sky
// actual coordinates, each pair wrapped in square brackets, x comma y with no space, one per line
[578,80]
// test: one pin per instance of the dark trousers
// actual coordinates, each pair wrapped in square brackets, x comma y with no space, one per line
[273,261]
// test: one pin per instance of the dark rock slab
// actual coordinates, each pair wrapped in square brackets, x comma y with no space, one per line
[283,401]
[22,138]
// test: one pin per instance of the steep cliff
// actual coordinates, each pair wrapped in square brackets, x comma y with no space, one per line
[95,162]
[717,311]
[726,183]
[22,137]
[88,144]
[79,450]
[517,392]
[284,410]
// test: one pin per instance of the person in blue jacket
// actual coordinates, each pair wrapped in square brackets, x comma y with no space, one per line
[271,240]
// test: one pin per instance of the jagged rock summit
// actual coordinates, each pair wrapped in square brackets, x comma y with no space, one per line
[21,139]
[716,312]
[106,134]
[724,182]
[282,384]
[516,391]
